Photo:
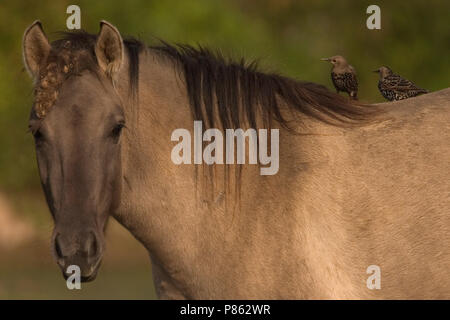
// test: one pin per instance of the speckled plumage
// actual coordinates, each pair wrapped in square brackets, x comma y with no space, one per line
[345,82]
[343,76]
[393,87]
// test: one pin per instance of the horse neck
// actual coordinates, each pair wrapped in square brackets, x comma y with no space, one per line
[154,190]
[187,231]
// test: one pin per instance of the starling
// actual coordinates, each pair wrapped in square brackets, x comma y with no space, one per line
[393,87]
[343,76]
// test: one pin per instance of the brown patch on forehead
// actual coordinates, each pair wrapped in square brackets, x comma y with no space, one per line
[67,58]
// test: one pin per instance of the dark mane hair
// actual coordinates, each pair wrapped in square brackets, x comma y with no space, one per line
[235,93]
[238,91]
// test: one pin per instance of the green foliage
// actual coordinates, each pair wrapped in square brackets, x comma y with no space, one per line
[289,36]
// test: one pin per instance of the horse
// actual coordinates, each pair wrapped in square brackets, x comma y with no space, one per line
[358,187]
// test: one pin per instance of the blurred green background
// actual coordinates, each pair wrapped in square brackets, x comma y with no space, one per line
[287,36]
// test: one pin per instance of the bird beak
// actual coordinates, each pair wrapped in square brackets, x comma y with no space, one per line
[325,59]
[377,71]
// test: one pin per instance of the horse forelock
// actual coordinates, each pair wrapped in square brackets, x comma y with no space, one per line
[69,56]
[72,54]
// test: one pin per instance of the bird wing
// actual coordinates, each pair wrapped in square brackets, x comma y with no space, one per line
[345,81]
[398,83]
[351,81]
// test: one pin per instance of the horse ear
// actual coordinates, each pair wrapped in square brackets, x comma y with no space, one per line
[109,48]
[35,48]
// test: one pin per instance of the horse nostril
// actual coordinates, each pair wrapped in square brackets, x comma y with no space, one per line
[91,245]
[58,250]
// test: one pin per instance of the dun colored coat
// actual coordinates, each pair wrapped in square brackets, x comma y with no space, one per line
[357,185]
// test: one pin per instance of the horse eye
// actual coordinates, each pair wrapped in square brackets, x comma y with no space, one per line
[38,138]
[38,135]
[117,130]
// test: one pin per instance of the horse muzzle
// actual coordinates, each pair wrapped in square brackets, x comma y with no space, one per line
[79,254]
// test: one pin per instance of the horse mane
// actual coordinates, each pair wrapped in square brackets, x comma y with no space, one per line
[218,88]
[236,92]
